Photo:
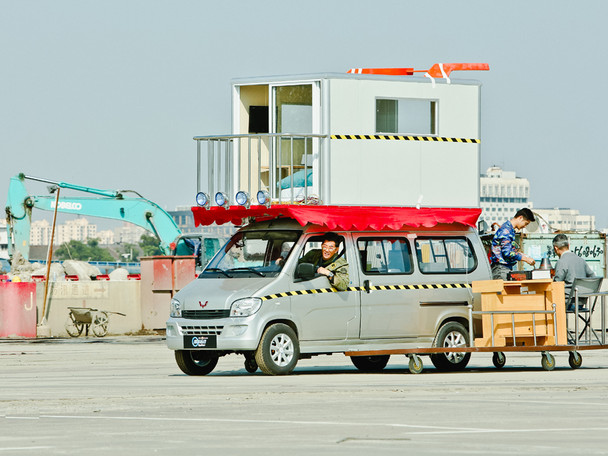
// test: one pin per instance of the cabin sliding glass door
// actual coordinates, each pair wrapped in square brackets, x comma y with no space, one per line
[295,111]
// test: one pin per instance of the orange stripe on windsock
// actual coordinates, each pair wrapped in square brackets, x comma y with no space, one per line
[435,70]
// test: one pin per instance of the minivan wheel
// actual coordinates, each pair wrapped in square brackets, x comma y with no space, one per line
[278,351]
[196,362]
[451,335]
[370,363]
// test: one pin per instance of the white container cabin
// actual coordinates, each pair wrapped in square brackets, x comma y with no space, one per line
[348,139]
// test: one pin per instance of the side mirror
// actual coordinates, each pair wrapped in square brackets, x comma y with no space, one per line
[482,227]
[305,271]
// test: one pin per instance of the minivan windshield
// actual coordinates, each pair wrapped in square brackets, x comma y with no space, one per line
[252,254]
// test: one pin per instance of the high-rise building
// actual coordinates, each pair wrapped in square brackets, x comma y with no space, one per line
[75,230]
[502,194]
[40,232]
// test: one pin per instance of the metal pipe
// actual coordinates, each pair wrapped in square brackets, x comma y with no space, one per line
[471,335]
[603,301]
[49,257]
[291,169]
[534,326]
[248,164]
[576,335]
[513,326]
[280,166]
[554,323]
[259,183]
[210,158]
[198,166]
[306,170]
[229,167]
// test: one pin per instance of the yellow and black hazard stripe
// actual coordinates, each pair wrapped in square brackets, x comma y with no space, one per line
[410,138]
[424,286]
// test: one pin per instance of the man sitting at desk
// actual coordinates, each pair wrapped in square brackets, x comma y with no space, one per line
[569,266]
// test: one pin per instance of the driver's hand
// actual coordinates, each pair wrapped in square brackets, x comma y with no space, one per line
[324,271]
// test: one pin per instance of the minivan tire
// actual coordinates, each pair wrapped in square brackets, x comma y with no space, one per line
[278,351]
[196,362]
[370,364]
[450,335]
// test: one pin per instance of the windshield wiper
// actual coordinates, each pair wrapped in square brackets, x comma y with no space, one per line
[261,274]
[218,270]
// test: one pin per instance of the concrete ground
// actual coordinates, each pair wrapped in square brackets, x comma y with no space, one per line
[126,395]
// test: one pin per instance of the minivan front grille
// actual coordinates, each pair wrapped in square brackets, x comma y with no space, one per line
[202,330]
[206,314]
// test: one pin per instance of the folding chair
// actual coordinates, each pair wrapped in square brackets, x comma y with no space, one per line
[577,304]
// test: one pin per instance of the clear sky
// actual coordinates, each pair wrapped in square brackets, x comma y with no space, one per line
[109,93]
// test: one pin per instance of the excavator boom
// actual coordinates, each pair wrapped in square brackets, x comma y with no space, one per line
[109,204]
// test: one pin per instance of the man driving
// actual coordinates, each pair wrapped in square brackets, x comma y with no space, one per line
[328,261]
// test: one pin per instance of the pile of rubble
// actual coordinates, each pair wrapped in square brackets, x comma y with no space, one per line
[23,271]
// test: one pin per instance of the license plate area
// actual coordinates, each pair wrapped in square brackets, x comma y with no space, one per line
[200,341]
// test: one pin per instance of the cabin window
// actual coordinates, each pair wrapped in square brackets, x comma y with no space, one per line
[385,255]
[406,116]
[445,256]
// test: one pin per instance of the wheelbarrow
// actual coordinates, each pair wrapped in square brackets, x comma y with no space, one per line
[81,318]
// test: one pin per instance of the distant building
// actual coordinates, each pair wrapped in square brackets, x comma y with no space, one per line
[185,221]
[129,234]
[106,237]
[75,230]
[564,219]
[502,194]
[40,232]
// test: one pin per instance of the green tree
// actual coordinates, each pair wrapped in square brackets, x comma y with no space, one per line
[77,250]
[130,252]
[150,245]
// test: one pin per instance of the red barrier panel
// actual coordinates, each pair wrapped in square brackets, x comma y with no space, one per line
[17,309]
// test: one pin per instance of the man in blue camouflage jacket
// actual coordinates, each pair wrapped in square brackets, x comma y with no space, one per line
[504,255]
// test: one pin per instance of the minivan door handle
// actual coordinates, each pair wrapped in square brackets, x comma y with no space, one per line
[366,285]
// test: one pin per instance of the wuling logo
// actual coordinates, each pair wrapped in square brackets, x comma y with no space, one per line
[203,305]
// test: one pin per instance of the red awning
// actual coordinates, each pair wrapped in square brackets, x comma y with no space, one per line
[341,217]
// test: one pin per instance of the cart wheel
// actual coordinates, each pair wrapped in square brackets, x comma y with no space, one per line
[499,359]
[73,328]
[250,365]
[415,364]
[548,361]
[100,324]
[575,360]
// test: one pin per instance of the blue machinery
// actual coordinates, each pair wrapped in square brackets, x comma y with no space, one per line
[108,204]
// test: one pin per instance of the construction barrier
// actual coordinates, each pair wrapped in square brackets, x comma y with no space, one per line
[17,309]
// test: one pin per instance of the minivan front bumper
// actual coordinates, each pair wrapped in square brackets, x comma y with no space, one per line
[226,334]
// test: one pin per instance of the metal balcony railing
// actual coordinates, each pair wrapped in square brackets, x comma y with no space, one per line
[288,166]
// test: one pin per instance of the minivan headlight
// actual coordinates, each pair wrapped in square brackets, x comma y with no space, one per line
[245,307]
[175,308]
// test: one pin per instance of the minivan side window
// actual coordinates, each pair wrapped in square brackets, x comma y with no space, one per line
[445,256]
[385,255]
[314,243]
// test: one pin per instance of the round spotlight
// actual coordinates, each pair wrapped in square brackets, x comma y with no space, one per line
[202,199]
[221,199]
[263,198]
[243,199]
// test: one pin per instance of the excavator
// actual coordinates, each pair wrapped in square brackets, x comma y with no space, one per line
[111,204]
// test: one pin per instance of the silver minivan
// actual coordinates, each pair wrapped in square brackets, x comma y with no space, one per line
[407,289]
